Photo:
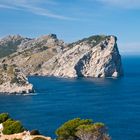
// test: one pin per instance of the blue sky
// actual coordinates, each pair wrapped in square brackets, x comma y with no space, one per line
[74,19]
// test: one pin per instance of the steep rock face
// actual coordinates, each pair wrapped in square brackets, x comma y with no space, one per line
[87,60]
[96,56]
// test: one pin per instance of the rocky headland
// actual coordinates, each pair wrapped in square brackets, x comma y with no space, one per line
[95,56]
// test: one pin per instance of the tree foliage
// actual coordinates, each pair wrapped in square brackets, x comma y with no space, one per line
[4,117]
[34,132]
[39,138]
[68,129]
[12,127]
[79,129]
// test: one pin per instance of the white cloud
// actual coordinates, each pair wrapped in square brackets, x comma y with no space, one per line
[8,7]
[130,4]
[34,6]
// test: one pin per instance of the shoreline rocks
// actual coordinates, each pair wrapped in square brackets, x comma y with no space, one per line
[13,81]
[23,136]
[16,89]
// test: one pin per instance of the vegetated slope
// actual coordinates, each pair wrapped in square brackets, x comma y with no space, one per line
[31,54]
[9,44]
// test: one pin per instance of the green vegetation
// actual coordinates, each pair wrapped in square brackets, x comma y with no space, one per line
[4,66]
[4,117]
[76,129]
[94,40]
[34,132]
[12,127]
[7,50]
[82,130]
[14,80]
[39,138]
[9,46]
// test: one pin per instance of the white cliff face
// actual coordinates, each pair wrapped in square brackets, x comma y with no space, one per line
[96,56]
[84,60]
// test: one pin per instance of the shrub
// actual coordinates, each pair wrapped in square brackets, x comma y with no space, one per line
[5,67]
[34,132]
[12,127]
[68,129]
[39,138]
[4,117]
[91,132]
[14,80]
[78,129]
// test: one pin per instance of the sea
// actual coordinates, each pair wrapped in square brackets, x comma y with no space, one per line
[115,102]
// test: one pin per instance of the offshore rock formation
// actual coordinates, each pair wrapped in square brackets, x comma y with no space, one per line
[96,56]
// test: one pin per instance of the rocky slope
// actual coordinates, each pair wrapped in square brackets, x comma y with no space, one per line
[9,44]
[96,56]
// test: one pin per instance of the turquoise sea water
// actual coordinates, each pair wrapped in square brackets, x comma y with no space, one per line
[116,102]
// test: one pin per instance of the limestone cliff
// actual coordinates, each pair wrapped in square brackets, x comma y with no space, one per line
[96,56]
[86,60]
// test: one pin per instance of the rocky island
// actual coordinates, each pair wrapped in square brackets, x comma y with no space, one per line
[20,57]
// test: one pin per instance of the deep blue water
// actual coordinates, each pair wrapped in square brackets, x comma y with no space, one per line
[116,102]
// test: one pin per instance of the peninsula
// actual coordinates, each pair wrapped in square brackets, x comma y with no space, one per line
[20,57]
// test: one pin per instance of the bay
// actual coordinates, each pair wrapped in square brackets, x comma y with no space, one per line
[116,102]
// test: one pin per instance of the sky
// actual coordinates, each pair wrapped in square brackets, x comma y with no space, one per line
[71,20]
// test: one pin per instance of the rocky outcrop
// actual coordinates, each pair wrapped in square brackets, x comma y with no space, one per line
[23,136]
[87,60]
[16,89]
[95,56]
[13,81]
